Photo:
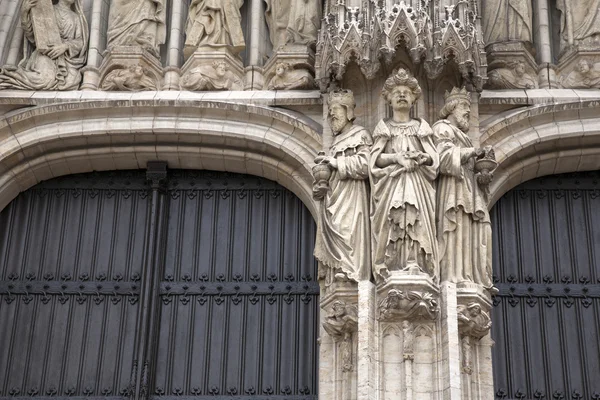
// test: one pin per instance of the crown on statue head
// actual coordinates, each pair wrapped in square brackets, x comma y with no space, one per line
[457,94]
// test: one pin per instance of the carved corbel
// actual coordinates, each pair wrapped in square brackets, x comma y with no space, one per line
[409,306]
[473,324]
[341,324]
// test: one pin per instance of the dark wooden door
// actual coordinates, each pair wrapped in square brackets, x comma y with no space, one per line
[158,285]
[546,320]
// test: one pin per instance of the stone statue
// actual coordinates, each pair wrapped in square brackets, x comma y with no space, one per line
[580,21]
[473,321]
[287,78]
[133,78]
[403,168]
[464,229]
[506,20]
[340,324]
[512,77]
[52,65]
[343,223]
[585,76]
[139,23]
[216,76]
[214,23]
[293,21]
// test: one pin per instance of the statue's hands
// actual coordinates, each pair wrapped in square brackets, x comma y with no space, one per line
[466,154]
[419,157]
[331,161]
[407,163]
[56,51]
[29,4]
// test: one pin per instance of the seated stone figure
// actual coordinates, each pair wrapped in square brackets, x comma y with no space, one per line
[57,67]
[132,78]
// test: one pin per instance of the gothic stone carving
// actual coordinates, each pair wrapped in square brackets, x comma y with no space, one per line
[464,228]
[215,24]
[132,78]
[343,234]
[341,323]
[374,31]
[473,324]
[580,23]
[216,76]
[408,306]
[585,75]
[403,168]
[293,21]
[288,78]
[55,48]
[139,23]
[506,20]
[512,75]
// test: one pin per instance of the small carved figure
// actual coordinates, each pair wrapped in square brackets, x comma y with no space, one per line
[398,305]
[287,78]
[294,22]
[132,78]
[138,23]
[585,76]
[464,228]
[473,324]
[50,66]
[506,20]
[215,76]
[513,77]
[473,321]
[580,22]
[408,338]
[403,168]
[341,323]
[214,23]
[342,242]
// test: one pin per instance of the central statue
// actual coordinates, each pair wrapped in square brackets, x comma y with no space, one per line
[403,168]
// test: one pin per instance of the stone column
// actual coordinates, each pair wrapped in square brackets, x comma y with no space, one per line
[7,20]
[253,71]
[91,73]
[175,46]
[546,69]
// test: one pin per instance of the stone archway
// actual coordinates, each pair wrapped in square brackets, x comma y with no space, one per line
[53,140]
[543,140]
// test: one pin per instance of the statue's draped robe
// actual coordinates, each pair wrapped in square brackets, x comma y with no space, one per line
[215,23]
[464,229]
[343,237]
[277,16]
[585,17]
[403,203]
[505,20]
[137,23]
[304,21]
[39,72]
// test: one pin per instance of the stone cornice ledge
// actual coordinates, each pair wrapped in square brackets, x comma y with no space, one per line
[261,98]
[536,96]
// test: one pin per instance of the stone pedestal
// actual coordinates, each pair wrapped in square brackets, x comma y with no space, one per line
[172,78]
[511,65]
[128,68]
[299,72]
[209,69]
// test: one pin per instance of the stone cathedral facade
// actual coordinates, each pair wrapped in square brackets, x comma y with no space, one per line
[299,199]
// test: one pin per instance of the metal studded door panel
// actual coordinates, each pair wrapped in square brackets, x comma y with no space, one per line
[65,327]
[158,285]
[547,267]
[239,301]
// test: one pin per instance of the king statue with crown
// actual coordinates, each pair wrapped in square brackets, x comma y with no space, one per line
[463,222]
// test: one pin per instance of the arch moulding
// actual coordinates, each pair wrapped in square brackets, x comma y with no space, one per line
[48,141]
[543,140]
